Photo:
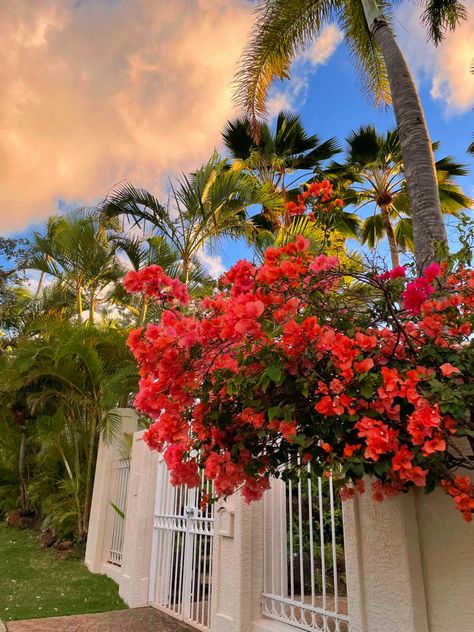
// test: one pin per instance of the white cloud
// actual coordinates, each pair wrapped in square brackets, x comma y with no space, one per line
[446,67]
[95,92]
[325,45]
[213,264]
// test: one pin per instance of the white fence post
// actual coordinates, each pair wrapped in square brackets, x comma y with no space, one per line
[102,514]
[237,580]
[136,558]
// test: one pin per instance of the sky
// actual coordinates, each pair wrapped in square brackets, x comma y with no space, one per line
[98,91]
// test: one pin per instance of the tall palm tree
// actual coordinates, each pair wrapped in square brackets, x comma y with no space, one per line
[204,207]
[283,27]
[78,252]
[276,155]
[375,174]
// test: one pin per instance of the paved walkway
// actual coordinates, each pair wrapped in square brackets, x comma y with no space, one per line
[133,620]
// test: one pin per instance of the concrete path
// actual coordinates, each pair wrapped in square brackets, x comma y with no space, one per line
[133,620]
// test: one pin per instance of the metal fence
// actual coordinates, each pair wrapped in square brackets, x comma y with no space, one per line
[118,507]
[304,582]
[181,567]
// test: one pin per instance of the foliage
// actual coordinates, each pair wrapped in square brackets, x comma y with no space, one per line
[276,156]
[302,360]
[78,251]
[373,174]
[69,377]
[34,584]
[283,28]
[203,208]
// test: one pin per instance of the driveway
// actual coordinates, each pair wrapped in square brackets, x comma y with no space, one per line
[133,620]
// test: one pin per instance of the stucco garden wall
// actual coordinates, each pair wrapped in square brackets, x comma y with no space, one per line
[409,559]
[409,564]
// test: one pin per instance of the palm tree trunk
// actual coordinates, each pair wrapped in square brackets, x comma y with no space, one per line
[143,311]
[40,285]
[22,467]
[418,160]
[89,473]
[92,309]
[79,302]
[392,242]
[186,269]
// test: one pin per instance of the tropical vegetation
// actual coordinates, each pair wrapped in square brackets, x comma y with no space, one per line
[283,28]
[238,359]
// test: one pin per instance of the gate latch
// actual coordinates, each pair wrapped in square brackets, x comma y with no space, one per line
[189,511]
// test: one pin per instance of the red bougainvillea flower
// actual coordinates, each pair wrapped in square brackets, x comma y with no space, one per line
[285,364]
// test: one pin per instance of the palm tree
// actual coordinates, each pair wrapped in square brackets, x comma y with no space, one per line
[204,207]
[276,155]
[283,27]
[156,250]
[375,174]
[77,251]
[71,377]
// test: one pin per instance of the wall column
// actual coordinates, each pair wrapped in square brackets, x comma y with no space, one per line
[385,585]
[101,516]
[237,578]
[138,524]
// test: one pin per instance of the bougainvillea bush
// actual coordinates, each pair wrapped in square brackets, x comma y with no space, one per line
[297,361]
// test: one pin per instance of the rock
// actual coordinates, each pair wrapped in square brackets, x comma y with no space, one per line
[47,539]
[65,545]
[14,519]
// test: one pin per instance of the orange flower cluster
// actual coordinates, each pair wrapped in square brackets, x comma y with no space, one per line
[318,197]
[271,369]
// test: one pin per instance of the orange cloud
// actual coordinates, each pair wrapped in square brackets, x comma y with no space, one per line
[97,91]
[446,67]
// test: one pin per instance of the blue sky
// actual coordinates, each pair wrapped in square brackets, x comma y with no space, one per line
[82,112]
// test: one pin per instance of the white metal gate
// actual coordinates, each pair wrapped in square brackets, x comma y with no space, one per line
[304,582]
[118,505]
[181,561]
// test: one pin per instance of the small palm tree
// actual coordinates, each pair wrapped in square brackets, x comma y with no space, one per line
[71,377]
[156,250]
[375,174]
[204,207]
[276,155]
[77,251]
[282,29]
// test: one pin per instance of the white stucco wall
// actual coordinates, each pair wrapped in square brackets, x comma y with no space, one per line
[102,514]
[447,553]
[409,564]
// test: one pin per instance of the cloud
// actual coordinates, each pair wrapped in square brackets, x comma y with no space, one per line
[95,92]
[293,94]
[446,67]
[325,45]
[212,263]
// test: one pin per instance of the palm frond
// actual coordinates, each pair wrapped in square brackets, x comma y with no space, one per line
[441,16]
[281,30]
[372,230]
[404,234]
[365,53]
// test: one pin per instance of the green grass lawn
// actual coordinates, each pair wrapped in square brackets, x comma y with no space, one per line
[35,584]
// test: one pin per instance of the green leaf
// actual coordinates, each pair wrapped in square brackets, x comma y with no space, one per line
[275,373]
[366,391]
[273,412]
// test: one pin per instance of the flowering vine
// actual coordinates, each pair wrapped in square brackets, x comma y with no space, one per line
[299,361]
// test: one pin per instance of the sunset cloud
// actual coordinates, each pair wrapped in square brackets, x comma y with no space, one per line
[94,92]
[446,67]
